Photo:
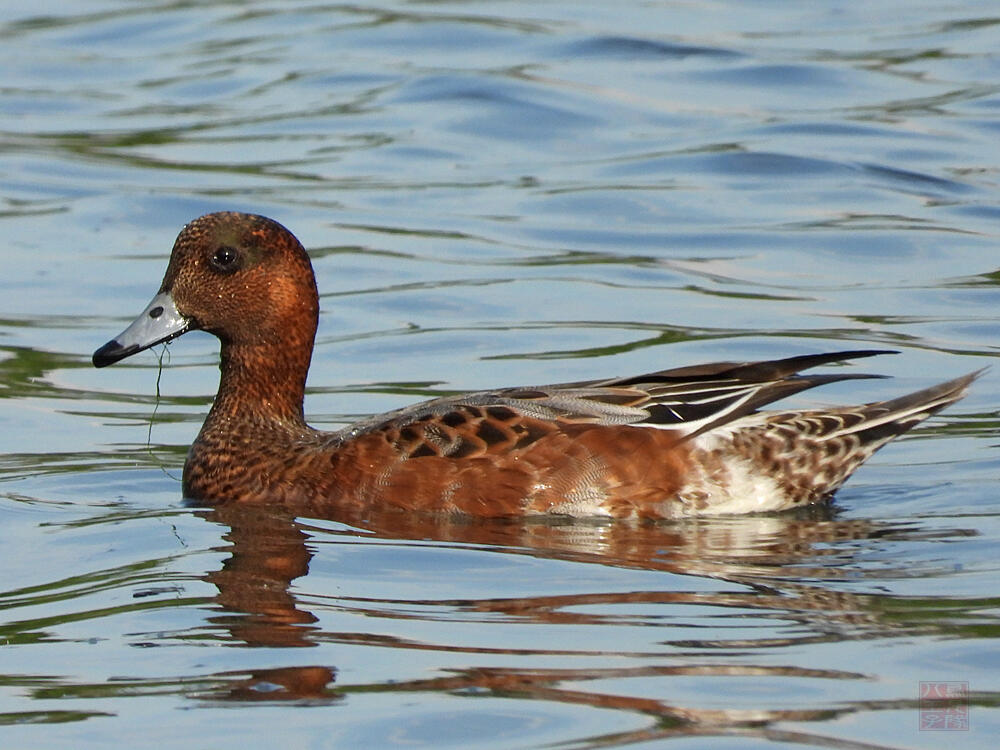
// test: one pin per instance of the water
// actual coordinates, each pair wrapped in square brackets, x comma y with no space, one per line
[498,194]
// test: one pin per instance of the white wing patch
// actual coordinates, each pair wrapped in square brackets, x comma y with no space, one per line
[701,398]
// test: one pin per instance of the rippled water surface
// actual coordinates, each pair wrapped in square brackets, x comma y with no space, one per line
[499,194]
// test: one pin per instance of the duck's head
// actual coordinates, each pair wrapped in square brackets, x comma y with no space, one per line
[242,277]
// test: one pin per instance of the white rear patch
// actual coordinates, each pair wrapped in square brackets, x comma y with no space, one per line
[738,488]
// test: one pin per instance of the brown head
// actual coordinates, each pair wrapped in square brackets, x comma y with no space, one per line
[246,279]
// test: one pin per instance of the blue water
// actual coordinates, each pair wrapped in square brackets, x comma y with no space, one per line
[499,194]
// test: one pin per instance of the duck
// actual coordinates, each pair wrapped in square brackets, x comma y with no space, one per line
[680,442]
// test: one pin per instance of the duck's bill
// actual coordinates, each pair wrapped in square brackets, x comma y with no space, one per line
[159,322]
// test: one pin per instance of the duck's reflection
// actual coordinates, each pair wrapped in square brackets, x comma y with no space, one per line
[268,552]
[778,564]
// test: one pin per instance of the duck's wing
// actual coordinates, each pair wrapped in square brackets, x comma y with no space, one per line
[689,400]
[686,401]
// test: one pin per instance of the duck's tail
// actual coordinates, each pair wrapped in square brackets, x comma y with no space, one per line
[807,455]
[877,423]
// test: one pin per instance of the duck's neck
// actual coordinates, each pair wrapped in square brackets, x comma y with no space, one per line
[262,383]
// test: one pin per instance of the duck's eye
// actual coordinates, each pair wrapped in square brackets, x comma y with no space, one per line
[225,259]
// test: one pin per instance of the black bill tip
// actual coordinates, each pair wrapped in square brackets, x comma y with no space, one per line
[112,352]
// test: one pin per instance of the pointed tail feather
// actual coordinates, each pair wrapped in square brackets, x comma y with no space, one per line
[884,420]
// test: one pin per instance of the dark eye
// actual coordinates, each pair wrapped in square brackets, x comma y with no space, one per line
[225,259]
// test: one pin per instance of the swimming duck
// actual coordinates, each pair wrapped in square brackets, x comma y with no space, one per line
[667,444]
